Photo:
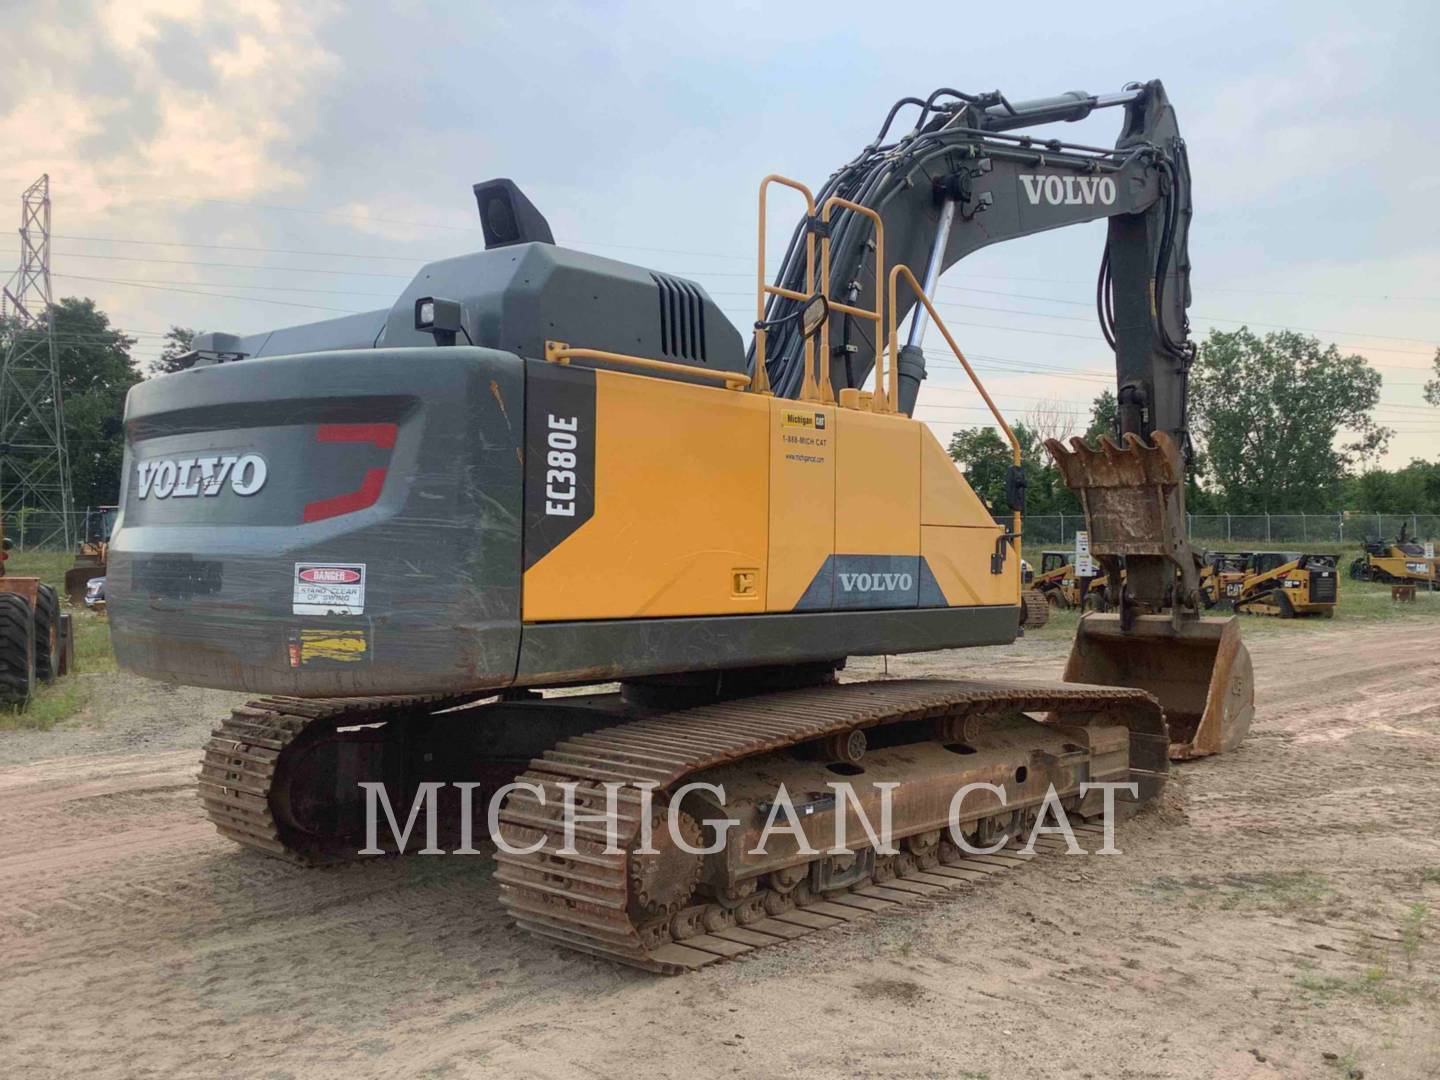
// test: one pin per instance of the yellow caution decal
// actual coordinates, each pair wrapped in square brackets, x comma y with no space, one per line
[307,646]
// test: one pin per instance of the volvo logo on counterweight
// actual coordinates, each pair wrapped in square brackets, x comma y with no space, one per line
[191,477]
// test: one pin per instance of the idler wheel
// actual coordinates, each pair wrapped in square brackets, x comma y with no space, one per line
[662,882]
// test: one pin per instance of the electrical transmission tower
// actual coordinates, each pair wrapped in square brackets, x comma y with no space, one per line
[34,463]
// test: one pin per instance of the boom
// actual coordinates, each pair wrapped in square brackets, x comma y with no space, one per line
[968,175]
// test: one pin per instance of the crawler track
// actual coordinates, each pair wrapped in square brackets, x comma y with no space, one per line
[605,903]
[241,766]
[1037,609]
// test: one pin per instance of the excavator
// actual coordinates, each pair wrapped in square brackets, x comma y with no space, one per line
[547,521]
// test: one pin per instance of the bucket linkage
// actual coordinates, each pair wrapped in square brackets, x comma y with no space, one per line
[1198,668]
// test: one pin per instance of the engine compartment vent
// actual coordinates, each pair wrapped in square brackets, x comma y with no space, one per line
[682,318]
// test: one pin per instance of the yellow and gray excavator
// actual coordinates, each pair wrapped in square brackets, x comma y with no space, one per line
[428,536]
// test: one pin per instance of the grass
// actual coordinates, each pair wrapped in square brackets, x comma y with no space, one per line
[1346,1064]
[1373,984]
[1293,892]
[1412,931]
[1376,983]
[93,653]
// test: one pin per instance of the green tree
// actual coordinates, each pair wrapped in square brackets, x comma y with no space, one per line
[1102,416]
[1432,388]
[1269,413]
[177,343]
[984,457]
[96,371]
[1415,489]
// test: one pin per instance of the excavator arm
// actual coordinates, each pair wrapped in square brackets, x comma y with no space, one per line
[970,173]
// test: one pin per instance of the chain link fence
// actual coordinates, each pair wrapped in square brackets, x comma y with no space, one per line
[29,530]
[41,530]
[1251,530]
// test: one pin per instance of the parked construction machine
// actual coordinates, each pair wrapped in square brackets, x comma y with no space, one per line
[1398,562]
[1064,589]
[543,469]
[1283,583]
[92,553]
[36,643]
[1222,576]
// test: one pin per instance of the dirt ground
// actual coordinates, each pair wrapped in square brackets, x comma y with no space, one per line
[1283,905]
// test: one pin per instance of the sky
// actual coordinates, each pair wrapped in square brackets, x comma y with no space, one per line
[246,165]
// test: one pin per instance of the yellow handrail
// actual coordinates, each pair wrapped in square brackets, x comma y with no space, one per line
[764,288]
[893,338]
[557,352]
[883,400]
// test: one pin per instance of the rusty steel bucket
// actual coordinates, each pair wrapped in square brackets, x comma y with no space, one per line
[1199,671]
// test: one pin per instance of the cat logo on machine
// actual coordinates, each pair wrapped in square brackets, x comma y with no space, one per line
[795,418]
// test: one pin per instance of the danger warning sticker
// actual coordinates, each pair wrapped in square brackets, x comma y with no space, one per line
[329,588]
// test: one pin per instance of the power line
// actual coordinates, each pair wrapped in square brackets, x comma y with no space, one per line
[235,266]
[218,296]
[371,220]
[950,303]
[265,288]
[242,247]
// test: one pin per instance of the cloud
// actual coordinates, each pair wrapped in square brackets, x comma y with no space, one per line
[207,99]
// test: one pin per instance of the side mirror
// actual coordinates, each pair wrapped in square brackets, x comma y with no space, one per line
[1015,487]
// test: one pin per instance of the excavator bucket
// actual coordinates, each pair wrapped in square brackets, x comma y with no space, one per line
[1130,492]
[1199,670]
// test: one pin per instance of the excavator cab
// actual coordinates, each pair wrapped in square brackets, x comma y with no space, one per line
[1197,667]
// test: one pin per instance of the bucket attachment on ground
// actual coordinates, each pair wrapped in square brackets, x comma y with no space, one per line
[1199,670]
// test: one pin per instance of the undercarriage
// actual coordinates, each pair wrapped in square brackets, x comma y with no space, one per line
[646,789]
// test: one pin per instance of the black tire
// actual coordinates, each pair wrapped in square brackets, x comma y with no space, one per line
[47,635]
[1056,598]
[1095,601]
[1359,570]
[17,650]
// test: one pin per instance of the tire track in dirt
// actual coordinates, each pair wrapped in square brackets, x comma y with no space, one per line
[156,947]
